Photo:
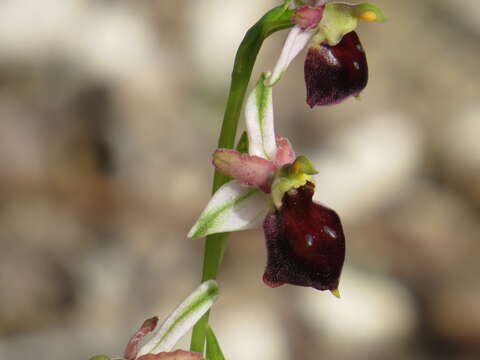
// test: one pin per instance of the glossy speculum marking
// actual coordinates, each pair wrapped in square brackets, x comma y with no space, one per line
[305,243]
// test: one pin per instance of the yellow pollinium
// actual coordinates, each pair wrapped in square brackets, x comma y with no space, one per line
[296,167]
[368,16]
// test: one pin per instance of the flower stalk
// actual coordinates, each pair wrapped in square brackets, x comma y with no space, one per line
[278,18]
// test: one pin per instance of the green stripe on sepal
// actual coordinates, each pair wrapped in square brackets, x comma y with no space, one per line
[259,120]
[214,352]
[182,319]
[233,207]
[263,95]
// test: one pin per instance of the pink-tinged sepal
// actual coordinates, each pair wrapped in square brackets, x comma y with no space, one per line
[334,73]
[285,153]
[308,17]
[250,170]
[132,347]
[173,355]
[305,243]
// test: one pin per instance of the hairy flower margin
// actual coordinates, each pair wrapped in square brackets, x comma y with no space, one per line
[175,326]
[274,187]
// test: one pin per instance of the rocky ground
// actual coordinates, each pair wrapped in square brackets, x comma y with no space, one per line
[109,112]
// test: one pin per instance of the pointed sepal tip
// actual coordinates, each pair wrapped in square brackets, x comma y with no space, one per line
[336,293]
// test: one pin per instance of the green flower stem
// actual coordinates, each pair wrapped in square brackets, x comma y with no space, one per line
[276,19]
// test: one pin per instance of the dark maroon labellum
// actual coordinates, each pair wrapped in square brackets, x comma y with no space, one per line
[333,73]
[305,243]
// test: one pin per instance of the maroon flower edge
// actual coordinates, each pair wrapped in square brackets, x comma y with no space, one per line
[333,73]
[305,243]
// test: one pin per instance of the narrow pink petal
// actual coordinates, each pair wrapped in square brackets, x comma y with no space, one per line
[250,170]
[285,153]
[132,347]
[308,17]
[172,355]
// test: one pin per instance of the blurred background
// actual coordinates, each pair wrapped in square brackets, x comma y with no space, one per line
[109,113]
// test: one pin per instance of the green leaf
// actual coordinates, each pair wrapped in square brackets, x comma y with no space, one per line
[214,352]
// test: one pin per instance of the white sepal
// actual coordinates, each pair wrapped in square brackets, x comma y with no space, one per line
[259,121]
[182,319]
[233,207]
[296,41]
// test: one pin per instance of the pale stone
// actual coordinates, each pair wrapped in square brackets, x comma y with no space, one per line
[216,30]
[251,330]
[460,144]
[367,164]
[372,311]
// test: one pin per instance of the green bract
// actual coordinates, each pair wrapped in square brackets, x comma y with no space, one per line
[214,352]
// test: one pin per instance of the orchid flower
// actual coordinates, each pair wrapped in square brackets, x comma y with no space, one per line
[305,241]
[167,334]
[336,65]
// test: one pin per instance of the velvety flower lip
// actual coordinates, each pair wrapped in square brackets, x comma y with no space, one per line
[305,243]
[333,73]
[335,66]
